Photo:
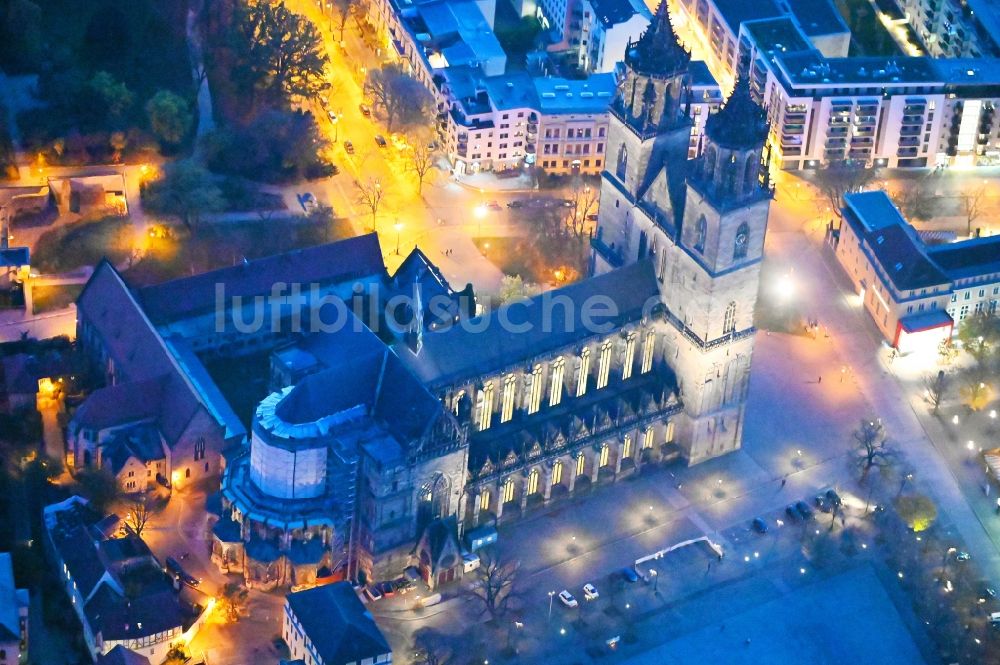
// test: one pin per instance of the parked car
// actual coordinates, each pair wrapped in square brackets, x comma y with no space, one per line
[567,599]
[365,110]
[373,593]
[590,592]
[388,589]
[348,147]
[402,585]
[804,510]
[629,575]
[380,140]
[334,169]
[963,556]
[516,203]
[759,525]
[791,512]
[493,205]
[592,217]
[175,569]
[833,498]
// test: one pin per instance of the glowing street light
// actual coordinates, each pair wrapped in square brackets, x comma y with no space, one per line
[551,596]
[399,227]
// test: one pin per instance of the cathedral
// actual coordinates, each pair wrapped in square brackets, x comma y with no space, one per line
[377,447]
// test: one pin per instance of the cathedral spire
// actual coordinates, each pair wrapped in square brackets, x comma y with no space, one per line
[741,123]
[658,52]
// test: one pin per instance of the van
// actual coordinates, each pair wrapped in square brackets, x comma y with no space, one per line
[995,618]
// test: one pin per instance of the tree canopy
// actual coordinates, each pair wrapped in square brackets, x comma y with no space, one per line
[403,99]
[186,190]
[169,117]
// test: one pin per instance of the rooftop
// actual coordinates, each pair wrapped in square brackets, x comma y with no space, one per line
[735,12]
[525,329]
[590,95]
[814,70]
[461,30]
[817,17]
[337,623]
[701,75]
[969,258]
[777,35]
[658,52]
[613,12]
[11,600]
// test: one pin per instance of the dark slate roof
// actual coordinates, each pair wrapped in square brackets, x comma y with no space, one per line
[896,246]
[122,656]
[337,623]
[227,530]
[417,271]
[658,52]
[741,122]
[347,259]
[380,382]
[306,551]
[259,549]
[484,344]
[969,258]
[121,404]
[440,540]
[936,318]
[108,306]
[68,524]
[613,12]
[118,617]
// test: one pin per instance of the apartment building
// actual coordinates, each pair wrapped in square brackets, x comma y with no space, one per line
[954,28]
[917,294]
[605,28]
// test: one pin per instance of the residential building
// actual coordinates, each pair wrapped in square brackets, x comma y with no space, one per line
[13,616]
[953,28]
[117,588]
[122,656]
[917,294]
[604,29]
[329,625]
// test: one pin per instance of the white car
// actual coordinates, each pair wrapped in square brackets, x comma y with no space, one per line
[567,599]
[590,592]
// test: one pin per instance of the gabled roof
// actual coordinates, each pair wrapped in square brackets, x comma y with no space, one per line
[337,623]
[121,404]
[10,621]
[969,258]
[122,656]
[523,330]
[339,261]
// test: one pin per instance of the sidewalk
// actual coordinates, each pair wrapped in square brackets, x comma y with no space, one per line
[486,181]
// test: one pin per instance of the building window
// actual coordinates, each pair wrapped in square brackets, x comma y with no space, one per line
[604,364]
[582,372]
[700,232]
[647,352]
[742,242]
[622,163]
[556,381]
[533,481]
[535,392]
[485,406]
[629,356]
[729,322]
[557,472]
[627,446]
[605,454]
[669,435]
[508,490]
[484,500]
[647,438]
[199,449]
[581,464]
[507,404]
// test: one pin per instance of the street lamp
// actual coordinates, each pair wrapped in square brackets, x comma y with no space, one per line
[944,561]
[399,227]
[551,596]
[334,120]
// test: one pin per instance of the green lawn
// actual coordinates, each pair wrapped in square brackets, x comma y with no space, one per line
[83,243]
[49,298]
[535,260]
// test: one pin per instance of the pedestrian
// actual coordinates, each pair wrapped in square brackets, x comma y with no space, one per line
[783,481]
[820,380]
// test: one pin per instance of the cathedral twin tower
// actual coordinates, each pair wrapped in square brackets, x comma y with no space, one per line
[700,222]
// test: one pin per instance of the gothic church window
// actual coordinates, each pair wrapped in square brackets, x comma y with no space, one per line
[507,404]
[557,469]
[742,242]
[750,172]
[485,406]
[508,490]
[581,463]
[583,372]
[622,162]
[484,500]
[535,390]
[605,454]
[729,322]
[629,356]
[647,352]
[700,232]
[556,388]
[533,481]
[604,365]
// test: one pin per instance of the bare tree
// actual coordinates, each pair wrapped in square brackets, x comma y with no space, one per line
[234,598]
[495,587]
[843,177]
[371,195]
[403,98]
[430,647]
[871,445]
[343,12]
[916,199]
[138,515]
[584,202]
[937,388]
[421,162]
[972,205]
